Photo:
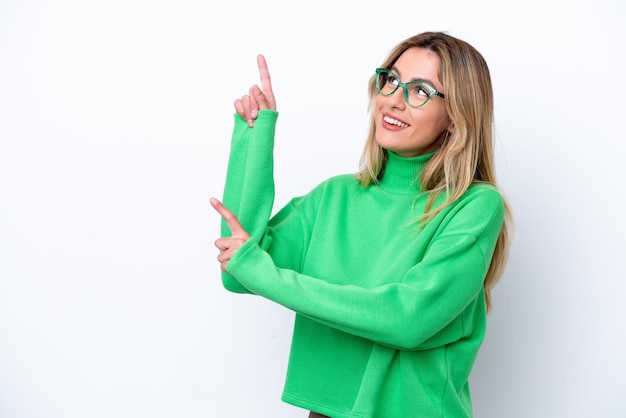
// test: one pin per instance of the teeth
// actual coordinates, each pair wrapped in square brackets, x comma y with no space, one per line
[395,122]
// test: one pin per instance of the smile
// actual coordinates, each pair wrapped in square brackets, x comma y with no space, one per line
[396,122]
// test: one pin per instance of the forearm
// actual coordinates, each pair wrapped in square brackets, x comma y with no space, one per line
[249,187]
[419,311]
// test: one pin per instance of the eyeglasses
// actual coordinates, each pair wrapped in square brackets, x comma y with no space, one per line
[416,93]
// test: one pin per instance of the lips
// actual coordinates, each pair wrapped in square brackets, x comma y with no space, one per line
[395,122]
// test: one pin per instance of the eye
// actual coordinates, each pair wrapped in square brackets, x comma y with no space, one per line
[392,79]
[418,90]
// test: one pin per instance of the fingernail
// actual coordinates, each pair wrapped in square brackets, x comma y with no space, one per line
[254,113]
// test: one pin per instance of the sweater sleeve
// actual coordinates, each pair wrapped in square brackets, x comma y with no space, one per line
[419,311]
[249,186]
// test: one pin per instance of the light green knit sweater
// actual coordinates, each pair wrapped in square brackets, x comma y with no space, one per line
[389,318]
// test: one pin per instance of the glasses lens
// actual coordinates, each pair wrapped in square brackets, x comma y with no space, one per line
[417,94]
[386,83]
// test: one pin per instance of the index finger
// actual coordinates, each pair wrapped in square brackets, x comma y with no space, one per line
[231,220]
[266,81]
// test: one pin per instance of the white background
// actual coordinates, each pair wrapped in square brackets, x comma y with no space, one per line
[115,122]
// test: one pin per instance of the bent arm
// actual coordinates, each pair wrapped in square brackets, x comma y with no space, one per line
[421,310]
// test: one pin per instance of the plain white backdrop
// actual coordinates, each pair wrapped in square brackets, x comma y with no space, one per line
[115,122]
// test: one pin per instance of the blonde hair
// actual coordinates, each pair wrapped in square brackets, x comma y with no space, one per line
[466,153]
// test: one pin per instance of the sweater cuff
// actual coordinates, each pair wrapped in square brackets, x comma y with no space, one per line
[265,116]
[239,264]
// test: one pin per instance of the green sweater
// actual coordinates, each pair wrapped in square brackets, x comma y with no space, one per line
[389,317]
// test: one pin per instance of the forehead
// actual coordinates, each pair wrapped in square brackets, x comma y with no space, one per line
[418,64]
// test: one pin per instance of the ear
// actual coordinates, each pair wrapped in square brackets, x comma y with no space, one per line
[451,127]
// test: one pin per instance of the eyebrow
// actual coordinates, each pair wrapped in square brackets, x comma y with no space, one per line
[421,80]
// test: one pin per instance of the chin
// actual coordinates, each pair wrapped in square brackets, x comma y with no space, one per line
[390,144]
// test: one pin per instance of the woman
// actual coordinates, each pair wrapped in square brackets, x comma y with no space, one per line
[390,270]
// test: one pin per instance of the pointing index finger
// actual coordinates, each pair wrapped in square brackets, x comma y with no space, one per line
[231,220]
[266,81]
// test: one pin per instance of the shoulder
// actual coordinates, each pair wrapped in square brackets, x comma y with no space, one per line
[341,180]
[332,189]
[481,208]
[337,183]
[483,195]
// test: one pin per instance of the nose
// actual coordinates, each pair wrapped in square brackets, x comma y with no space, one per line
[396,99]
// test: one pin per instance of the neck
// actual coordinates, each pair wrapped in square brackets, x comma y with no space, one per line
[402,175]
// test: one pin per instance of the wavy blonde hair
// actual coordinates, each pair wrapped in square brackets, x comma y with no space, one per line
[466,153]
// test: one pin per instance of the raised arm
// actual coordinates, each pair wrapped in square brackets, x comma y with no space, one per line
[249,188]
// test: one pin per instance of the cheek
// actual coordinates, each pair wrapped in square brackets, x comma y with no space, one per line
[377,103]
[438,121]
[446,123]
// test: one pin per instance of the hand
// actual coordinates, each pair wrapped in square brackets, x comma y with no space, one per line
[258,98]
[228,245]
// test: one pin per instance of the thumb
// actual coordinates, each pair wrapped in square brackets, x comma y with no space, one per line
[260,98]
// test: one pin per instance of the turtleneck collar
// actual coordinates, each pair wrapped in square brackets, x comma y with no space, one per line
[402,175]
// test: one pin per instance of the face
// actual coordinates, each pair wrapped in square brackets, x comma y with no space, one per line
[406,130]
